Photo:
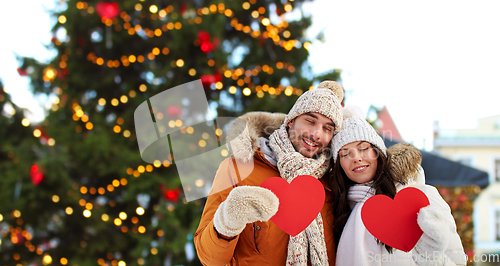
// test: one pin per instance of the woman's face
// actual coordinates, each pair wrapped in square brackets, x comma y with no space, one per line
[359,161]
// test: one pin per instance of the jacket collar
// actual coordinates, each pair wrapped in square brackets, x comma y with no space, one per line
[244,133]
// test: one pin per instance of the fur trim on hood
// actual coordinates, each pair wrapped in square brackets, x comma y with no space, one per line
[404,162]
[244,132]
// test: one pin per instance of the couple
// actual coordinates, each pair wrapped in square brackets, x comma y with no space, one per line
[235,227]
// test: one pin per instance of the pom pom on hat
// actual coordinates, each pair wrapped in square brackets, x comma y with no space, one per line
[326,99]
[334,86]
[352,111]
[355,128]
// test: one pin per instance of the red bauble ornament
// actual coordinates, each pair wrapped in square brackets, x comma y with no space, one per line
[279,11]
[17,238]
[173,194]
[183,8]
[174,111]
[43,135]
[107,10]
[36,174]
[81,41]
[218,77]
[205,45]
[203,37]
[22,72]
[262,40]
[207,80]
[60,74]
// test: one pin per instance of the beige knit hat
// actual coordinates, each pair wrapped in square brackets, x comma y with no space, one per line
[355,128]
[326,100]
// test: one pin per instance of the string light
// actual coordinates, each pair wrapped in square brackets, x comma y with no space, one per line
[126,60]
[47,259]
[141,229]
[232,89]
[272,31]
[62,19]
[25,122]
[87,213]
[122,215]
[247,91]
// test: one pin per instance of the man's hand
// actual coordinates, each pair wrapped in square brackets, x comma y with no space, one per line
[245,204]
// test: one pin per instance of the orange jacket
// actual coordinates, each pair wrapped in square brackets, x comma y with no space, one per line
[260,243]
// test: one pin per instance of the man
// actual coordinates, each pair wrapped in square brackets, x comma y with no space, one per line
[235,227]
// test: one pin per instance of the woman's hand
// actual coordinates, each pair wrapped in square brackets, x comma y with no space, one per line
[433,242]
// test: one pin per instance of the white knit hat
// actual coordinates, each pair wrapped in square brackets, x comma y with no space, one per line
[326,100]
[355,128]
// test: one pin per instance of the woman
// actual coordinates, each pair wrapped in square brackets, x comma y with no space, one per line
[362,169]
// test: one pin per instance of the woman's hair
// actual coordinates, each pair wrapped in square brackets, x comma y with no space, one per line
[340,184]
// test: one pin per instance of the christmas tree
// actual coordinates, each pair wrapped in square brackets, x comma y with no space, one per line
[81,193]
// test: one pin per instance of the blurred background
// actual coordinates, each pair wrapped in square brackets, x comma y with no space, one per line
[74,189]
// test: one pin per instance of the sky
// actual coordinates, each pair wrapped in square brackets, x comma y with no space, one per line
[25,32]
[424,60]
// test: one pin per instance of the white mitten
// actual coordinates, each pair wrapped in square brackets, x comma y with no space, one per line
[431,246]
[244,204]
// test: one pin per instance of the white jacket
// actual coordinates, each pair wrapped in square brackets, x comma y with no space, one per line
[358,247]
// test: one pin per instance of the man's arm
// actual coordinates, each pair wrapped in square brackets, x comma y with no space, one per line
[227,214]
[211,247]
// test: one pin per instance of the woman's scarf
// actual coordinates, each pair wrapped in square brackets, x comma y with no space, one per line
[356,243]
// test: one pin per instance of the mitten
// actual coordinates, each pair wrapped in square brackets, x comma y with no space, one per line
[435,238]
[244,204]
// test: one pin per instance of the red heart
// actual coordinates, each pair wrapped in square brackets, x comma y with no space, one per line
[300,202]
[394,222]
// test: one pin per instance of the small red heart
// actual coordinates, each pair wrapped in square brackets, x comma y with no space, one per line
[394,222]
[300,202]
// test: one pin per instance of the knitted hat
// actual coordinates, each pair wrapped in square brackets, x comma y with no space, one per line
[355,128]
[326,100]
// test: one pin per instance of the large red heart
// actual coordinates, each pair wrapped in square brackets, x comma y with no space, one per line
[300,202]
[394,222]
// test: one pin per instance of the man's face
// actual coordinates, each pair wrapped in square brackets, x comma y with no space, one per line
[310,133]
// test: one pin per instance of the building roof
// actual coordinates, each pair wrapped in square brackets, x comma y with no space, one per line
[444,172]
[467,141]
[386,126]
